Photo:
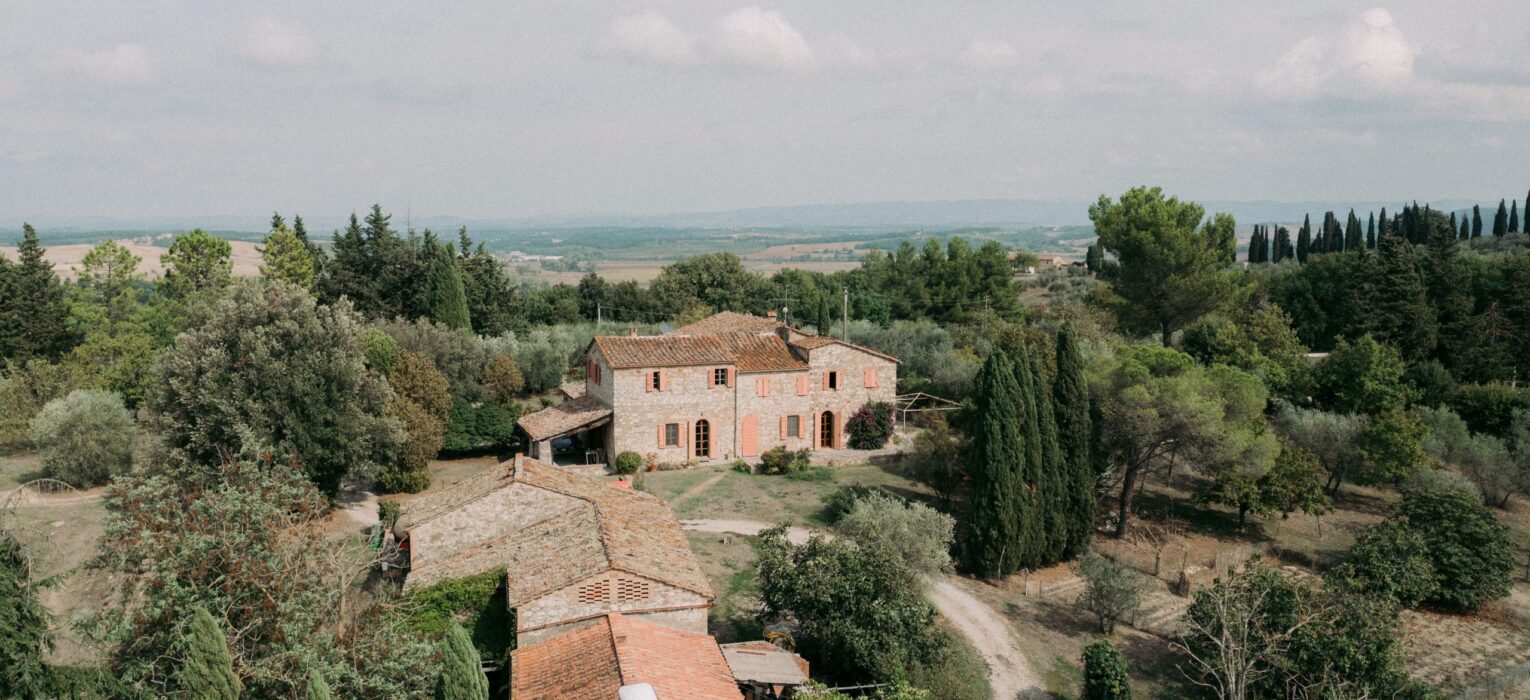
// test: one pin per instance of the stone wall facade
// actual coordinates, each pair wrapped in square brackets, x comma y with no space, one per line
[607,592]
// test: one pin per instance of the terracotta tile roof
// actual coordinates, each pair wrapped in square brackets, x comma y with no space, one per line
[577,664]
[572,390]
[630,351]
[728,322]
[617,529]
[597,660]
[763,662]
[812,342]
[749,352]
[565,417]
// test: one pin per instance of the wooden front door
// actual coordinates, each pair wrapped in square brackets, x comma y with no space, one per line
[826,430]
[703,439]
[749,437]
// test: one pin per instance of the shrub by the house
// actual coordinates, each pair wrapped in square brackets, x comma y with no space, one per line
[870,426]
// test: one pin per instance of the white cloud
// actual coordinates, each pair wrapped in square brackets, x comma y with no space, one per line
[1376,50]
[989,55]
[762,39]
[652,38]
[123,64]
[1371,54]
[273,43]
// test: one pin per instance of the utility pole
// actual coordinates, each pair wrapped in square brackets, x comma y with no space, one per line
[844,325]
[597,313]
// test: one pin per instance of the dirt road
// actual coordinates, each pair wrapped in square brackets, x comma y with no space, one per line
[1009,673]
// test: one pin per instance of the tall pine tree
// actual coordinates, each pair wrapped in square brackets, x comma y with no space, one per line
[1395,301]
[994,458]
[461,672]
[209,669]
[1070,396]
[34,310]
[445,299]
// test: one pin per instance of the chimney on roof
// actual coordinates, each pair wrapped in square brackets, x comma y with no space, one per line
[770,315]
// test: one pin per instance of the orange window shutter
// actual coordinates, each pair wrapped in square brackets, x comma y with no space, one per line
[826,380]
[661,435]
[648,381]
[663,380]
[685,436]
[802,385]
[731,373]
[871,377]
[783,427]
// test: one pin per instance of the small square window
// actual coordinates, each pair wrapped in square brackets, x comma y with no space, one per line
[720,376]
[793,426]
[656,381]
[671,434]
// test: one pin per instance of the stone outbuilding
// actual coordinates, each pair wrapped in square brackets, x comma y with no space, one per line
[573,548]
[727,387]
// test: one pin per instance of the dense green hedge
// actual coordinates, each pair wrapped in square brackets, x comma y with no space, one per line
[477,602]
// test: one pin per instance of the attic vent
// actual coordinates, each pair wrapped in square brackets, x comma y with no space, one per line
[628,590]
[597,592]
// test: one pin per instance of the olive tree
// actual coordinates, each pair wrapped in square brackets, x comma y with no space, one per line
[917,535]
[84,438]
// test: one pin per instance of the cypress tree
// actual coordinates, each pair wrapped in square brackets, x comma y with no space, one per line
[1514,216]
[1070,396]
[445,299]
[1383,227]
[1253,246]
[26,639]
[1476,221]
[1501,220]
[1094,259]
[1104,672]
[318,688]
[34,308]
[461,672]
[1353,238]
[1303,244]
[1370,233]
[1052,490]
[209,670]
[1282,248]
[824,324]
[1035,517]
[994,458]
[1466,229]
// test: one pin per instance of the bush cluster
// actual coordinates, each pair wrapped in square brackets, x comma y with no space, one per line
[779,460]
[870,426]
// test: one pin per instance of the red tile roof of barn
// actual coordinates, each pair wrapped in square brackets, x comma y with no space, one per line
[617,650]
[750,352]
[728,322]
[570,415]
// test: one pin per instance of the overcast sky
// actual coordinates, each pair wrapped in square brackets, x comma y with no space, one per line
[508,109]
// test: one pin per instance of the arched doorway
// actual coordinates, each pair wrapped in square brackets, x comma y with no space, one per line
[703,438]
[826,430]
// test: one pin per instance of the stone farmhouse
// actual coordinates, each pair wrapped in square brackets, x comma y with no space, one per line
[573,549]
[729,386]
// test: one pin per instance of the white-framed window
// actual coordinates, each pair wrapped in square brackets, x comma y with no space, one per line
[671,434]
[720,376]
